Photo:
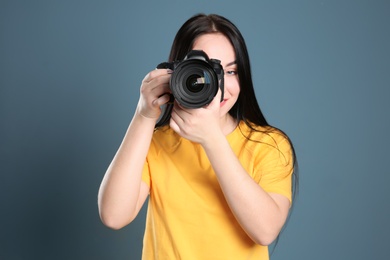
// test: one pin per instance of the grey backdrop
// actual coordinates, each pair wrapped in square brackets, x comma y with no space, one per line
[70,72]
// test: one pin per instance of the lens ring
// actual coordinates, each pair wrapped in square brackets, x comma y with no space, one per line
[194,83]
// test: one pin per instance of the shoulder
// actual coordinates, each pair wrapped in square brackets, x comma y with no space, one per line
[165,138]
[263,134]
[266,141]
[270,145]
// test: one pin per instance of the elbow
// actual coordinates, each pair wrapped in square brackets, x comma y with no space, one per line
[267,234]
[265,238]
[112,217]
[114,222]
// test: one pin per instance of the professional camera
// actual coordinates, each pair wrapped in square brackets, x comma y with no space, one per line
[195,80]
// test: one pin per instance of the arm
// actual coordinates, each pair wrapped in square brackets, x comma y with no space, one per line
[122,191]
[260,214]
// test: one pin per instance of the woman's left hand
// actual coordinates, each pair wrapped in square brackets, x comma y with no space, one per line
[197,125]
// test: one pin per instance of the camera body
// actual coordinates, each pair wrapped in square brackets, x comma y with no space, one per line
[195,79]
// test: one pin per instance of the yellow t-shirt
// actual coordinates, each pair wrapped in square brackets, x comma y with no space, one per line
[188,216]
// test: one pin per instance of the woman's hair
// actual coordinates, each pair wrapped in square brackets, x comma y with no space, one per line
[246,108]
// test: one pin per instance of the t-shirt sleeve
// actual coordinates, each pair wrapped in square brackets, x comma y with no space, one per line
[276,168]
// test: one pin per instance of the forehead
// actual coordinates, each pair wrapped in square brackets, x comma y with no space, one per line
[217,46]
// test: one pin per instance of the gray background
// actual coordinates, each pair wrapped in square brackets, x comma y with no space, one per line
[70,72]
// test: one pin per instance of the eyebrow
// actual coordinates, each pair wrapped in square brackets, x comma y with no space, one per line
[231,63]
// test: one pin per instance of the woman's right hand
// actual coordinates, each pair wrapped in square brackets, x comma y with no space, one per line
[154,93]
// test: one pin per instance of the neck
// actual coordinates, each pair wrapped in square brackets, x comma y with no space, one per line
[228,124]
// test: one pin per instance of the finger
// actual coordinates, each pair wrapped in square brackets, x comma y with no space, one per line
[159,80]
[162,100]
[159,90]
[156,73]
[176,115]
[157,86]
[182,111]
[174,126]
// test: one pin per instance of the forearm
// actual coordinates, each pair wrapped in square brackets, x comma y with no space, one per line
[119,193]
[256,210]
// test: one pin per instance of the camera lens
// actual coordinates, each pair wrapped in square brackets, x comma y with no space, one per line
[194,83]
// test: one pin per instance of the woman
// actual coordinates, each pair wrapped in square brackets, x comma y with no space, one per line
[219,177]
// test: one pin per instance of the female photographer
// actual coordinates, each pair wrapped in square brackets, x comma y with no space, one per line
[219,178]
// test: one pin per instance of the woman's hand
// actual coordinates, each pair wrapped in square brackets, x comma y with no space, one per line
[154,93]
[197,125]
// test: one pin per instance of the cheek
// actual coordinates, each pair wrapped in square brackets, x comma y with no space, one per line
[232,86]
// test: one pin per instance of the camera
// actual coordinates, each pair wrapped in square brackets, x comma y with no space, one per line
[195,79]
